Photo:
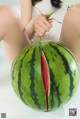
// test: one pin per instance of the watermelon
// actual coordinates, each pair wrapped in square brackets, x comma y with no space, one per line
[45,75]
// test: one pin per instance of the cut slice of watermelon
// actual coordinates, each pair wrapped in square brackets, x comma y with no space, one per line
[45,76]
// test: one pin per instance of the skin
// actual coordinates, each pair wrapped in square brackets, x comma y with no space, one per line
[38,24]
[11,32]
[17,32]
[14,34]
[70,29]
[70,33]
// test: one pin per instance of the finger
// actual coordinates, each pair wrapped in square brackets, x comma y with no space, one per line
[46,22]
[39,28]
[44,26]
[39,33]
[50,20]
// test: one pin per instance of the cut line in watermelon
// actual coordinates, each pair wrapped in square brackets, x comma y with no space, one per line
[45,76]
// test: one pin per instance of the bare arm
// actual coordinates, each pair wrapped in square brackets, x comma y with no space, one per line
[37,24]
[26,16]
[26,11]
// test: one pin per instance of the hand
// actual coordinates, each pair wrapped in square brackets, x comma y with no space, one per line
[42,25]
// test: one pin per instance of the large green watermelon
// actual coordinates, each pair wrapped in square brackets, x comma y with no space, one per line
[45,75]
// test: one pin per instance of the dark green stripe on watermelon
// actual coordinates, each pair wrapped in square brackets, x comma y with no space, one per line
[19,76]
[32,86]
[19,84]
[69,53]
[52,90]
[67,68]
[14,63]
[66,50]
